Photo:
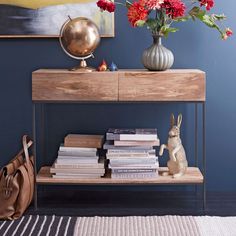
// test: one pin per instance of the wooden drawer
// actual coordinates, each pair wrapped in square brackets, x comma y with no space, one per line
[63,85]
[171,85]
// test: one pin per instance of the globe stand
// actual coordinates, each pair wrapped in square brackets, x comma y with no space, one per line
[82,67]
[79,37]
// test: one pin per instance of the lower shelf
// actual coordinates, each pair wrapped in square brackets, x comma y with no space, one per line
[192,176]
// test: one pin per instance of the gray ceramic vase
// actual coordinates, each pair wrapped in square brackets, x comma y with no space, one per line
[157,57]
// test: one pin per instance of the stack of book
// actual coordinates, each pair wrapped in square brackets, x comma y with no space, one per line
[78,158]
[131,153]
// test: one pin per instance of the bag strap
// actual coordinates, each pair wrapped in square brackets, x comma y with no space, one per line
[27,143]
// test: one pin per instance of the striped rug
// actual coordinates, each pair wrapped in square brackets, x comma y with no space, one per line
[38,225]
[120,226]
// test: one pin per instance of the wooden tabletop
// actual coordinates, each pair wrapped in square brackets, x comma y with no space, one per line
[60,85]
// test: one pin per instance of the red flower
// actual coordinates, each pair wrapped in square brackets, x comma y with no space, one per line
[174,8]
[153,4]
[106,5]
[229,32]
[111,6]
[207,3]
[136,12]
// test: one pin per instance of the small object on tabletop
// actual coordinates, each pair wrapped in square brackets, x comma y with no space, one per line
[113,67]
[79,37]
[177,163]
[103,66]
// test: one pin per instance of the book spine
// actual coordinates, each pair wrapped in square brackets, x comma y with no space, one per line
[76,161]
[138,137]
[76,171]
[134,175]
[133,170]
[77,158]
[76,153]
[77,149]
[74,166]
[128,151]
[153,166]
[137,143]
[135,161]
[117,157]
[107,146]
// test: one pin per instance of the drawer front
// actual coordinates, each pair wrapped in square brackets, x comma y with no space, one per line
[162,86]
[71,86]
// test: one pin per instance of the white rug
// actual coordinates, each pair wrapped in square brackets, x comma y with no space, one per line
[119,226]
[155,226]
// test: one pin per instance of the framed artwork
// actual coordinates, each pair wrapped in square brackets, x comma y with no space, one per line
[44,18]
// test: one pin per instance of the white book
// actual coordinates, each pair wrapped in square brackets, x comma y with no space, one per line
[76,149]
[81,161]
[149,160]
[63,171]
[80,166]
[152,175]
[110,145]
[154,166]
[77,157]
[129,151]
[77,153]
[117,157]
[132,134]
[76,177]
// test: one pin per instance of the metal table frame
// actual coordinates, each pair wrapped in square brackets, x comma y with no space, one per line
[196,143]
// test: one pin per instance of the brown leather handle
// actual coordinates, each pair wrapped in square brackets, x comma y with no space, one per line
[27,143]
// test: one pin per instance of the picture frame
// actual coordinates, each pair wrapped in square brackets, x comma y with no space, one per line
[44,18]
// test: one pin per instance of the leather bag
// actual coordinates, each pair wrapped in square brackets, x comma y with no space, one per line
[17,183]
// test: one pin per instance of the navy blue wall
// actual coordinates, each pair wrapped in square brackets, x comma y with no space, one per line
[194,46]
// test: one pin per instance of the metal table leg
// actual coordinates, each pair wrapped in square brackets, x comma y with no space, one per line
[204,152]
[196,140]
[35,157]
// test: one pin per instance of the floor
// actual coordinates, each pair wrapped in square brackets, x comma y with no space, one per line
[113,202]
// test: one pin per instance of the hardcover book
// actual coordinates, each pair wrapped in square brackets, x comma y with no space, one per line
[132,134]
[69,158]
[83,140]
[137,143]
[77,149]
[135,166]
[134,161]
[79,161]
[71,153]
[76,177]
[129,151]
[134,175]
[114,171]
[110,145]
[66,171]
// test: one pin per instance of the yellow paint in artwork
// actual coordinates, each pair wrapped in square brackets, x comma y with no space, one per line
[35,4]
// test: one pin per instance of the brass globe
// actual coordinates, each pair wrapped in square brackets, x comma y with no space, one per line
[79,38]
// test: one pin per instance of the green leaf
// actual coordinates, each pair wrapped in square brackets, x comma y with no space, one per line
[128,4]
[218,17]
[182,19]
[152,24]
[140,23]
[197,12]
[165,30]
[208,21]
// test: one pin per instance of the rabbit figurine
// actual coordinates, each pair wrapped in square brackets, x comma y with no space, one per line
[177,163]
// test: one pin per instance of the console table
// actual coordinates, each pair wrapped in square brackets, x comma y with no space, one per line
[133,86]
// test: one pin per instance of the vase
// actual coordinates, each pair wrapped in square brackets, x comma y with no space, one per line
[157,57]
